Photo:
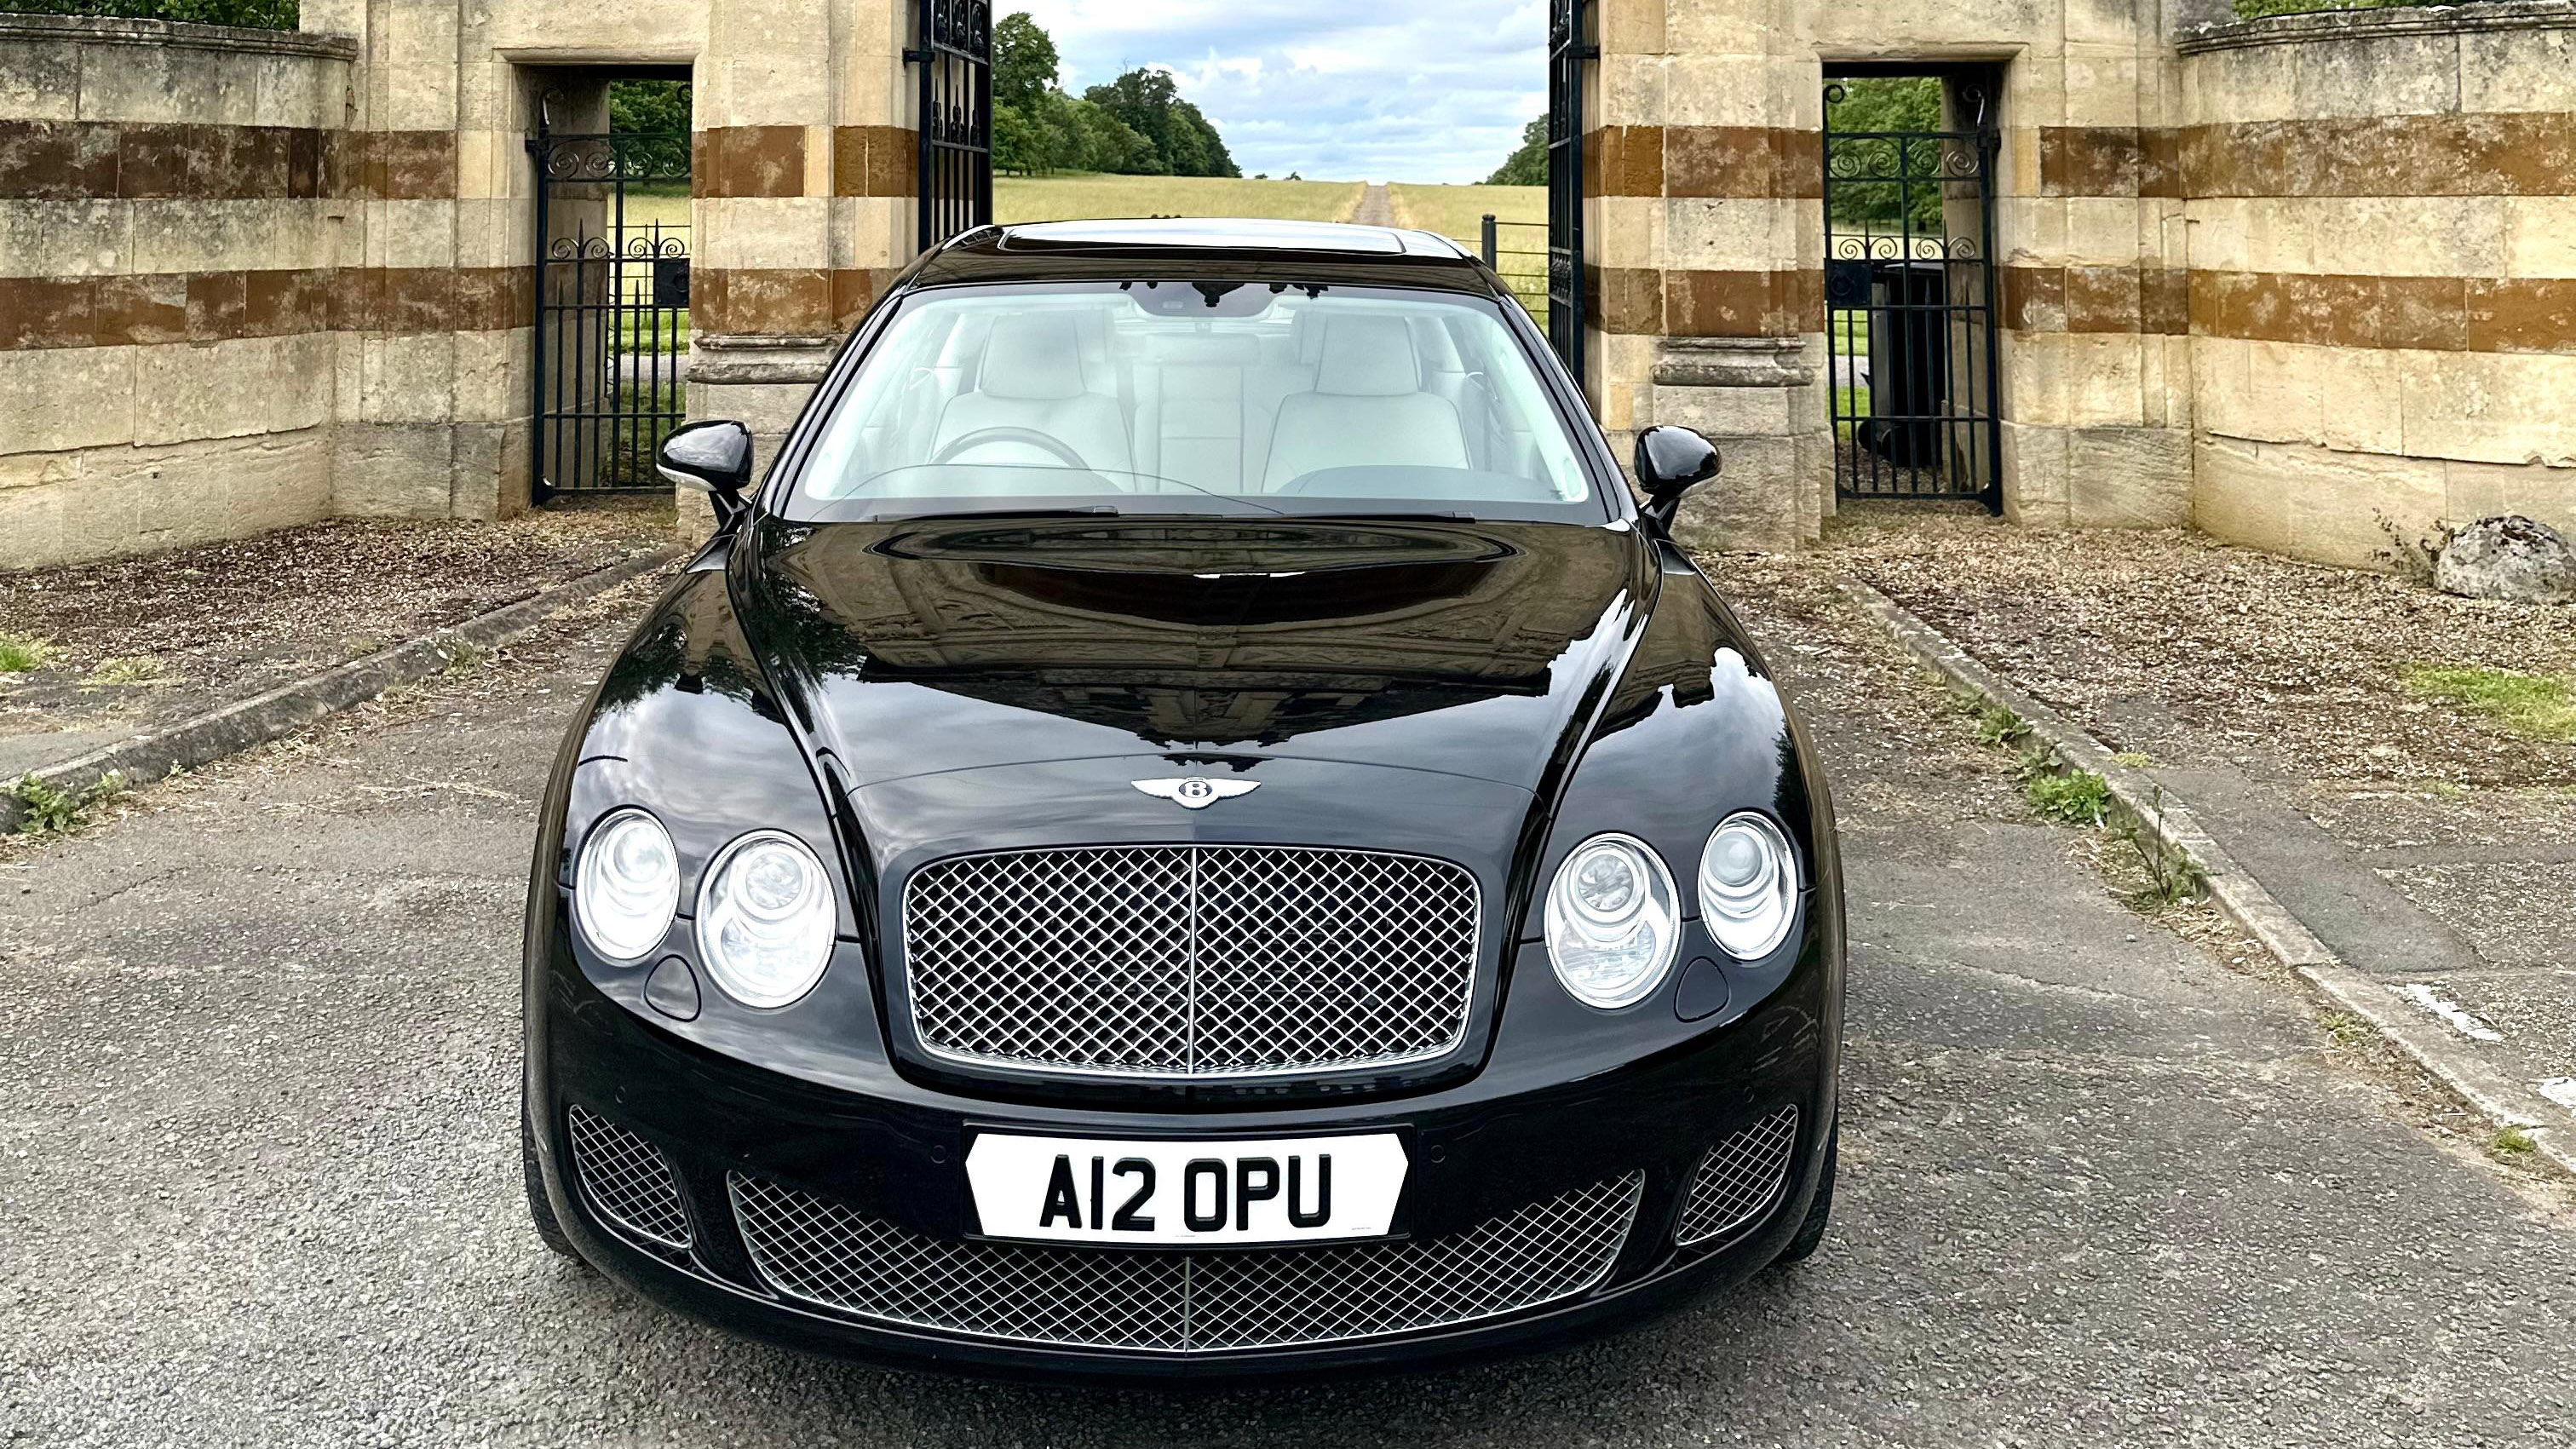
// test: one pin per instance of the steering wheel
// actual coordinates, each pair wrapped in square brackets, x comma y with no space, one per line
[967,442]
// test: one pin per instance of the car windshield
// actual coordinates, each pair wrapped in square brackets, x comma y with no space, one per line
[1175,397]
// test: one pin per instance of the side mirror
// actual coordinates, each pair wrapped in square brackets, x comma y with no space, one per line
[712,456]
[1670,462]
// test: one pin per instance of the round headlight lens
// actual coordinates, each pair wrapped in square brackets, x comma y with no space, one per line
[765,919]
[1748,885]
[1613,922]
[627,886]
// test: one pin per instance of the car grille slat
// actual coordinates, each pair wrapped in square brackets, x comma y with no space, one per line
[1739,1179]
[631,1184]
[1186,961]
[1184,1301]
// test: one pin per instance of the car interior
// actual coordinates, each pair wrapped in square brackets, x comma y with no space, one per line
[1323,396]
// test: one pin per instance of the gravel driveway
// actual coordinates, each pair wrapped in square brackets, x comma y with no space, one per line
[258,1165]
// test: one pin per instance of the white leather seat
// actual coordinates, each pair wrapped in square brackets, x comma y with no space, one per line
[1190,412]
[1032,378]
[1367,408]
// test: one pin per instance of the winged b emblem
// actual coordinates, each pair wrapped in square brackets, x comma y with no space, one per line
[1193,792]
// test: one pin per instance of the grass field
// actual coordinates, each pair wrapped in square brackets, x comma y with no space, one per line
[1082,197]
[1458,212]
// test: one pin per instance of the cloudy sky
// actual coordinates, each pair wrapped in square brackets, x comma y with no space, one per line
[1430,90]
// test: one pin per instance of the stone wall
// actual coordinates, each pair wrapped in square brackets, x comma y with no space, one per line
[2382,213]
[175,268]
[1707,230]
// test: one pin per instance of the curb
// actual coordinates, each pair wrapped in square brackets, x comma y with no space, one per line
[235,727]
[2501,1100]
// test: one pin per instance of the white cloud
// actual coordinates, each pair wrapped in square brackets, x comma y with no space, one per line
[1340,89]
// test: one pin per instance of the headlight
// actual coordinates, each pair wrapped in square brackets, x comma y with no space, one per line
[765,919]
[1612,921]
[1748,885]
[627,886]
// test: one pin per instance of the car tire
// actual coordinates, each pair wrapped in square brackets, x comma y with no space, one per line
[1811,1233]
[540,1210]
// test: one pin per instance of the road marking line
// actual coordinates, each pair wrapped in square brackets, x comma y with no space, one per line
[2451,1012]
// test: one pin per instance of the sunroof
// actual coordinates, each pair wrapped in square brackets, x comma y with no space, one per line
[1304,236]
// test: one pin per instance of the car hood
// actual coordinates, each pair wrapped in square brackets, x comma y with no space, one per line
[911,648]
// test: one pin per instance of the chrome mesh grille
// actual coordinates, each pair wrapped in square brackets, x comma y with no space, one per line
[1739,1179]
[630,1183]
[1202,1301]
[1190,960]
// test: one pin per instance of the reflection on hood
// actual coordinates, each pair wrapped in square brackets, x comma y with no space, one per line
[1226,633]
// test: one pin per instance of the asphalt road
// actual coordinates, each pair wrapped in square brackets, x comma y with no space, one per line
[260,1185]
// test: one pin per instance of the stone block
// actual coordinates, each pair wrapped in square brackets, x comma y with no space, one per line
[2518,70]
[2387,75]
[40,80]
[186,392]
[1725,234]
[2314,503]
[494,371]
[72,238]
[69,397]
[168,83]
[2485,490]
[299,90]
[2539,236]
[2257,83]
[764,232]
[407,379]
[392,470]
[2035,482]
[2490,407]
[31,527]
[418,96]
[2128,477]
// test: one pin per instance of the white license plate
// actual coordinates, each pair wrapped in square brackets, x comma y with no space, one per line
[1254,1190]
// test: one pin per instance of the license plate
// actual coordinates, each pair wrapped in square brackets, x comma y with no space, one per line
[1259,1190]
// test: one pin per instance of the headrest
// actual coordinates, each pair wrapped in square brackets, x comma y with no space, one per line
[1036,356]
[1306,327]
[1433,344]
[1368,356]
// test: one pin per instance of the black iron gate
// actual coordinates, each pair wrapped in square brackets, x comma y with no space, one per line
[1910,304]
[1571,46]
[955,53]
[612,307]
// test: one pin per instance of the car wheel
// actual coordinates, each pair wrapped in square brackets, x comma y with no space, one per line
[541,1211]
[1811,1233]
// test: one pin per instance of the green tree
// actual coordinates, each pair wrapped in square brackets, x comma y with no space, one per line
[1881,203]
[1528,165]
[1148,102]
[1024,63]
[648,105]
[249,14]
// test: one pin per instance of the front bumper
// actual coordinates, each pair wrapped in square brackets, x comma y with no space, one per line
[810,1214]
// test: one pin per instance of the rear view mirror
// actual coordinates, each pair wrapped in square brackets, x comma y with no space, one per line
[1670,462]
[713,456]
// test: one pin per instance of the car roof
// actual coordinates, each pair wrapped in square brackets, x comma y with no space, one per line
[1246,248]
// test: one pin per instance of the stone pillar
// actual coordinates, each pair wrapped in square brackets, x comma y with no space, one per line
[803,163]
[1702,222]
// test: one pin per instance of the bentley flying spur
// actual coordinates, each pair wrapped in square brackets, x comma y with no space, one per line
[1189,822]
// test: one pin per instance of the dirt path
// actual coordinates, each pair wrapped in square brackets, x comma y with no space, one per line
[1375,208]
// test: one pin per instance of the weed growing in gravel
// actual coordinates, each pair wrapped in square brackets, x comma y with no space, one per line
[464,655]
[125,669]
[2078,797]
[52,811]
[20,653]
[1998,726]
[2345,1030]
[2514,1141]
[2171,878]
[2133,759]
[2539,706]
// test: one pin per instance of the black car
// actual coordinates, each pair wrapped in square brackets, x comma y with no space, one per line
[1188,825]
